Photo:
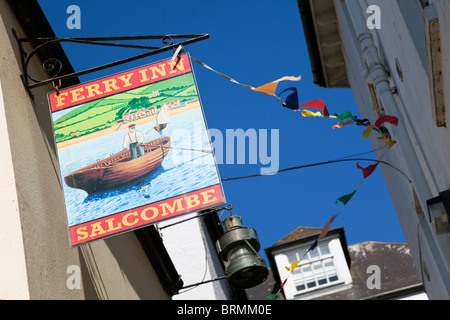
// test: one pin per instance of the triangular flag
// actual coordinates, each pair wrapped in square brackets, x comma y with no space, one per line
[326,228]
[390,143]
[346,198]
[345,115]
[313,246]
[390,119]
[317,104]
[342,124]
[291,100]
[307,113]
[276,288]
[367,171]
[362,122]
[293,266]
[271,87]
[367,132]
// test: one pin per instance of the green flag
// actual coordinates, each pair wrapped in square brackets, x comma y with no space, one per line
[346,198]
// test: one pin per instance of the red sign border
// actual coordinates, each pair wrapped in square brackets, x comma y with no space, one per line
[146,215]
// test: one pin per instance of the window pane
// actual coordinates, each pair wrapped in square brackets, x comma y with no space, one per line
[311,284]
[306,271]
[333,278]
[322,281]
[314,254]
[328,264]
[300,287]
[317,266]
[324,250]
[292,258]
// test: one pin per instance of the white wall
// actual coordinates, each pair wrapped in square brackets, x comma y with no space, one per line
[194,256]
[431,144]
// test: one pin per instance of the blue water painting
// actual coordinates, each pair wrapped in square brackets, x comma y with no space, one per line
[186,168]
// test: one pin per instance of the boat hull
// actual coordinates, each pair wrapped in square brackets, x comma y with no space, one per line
[119,169]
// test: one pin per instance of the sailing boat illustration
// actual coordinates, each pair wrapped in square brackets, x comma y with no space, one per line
[162,119]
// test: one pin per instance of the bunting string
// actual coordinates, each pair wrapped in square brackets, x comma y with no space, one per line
[319,109]
[366,172]
[268,88]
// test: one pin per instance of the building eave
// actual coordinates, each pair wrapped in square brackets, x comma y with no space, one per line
[321,29]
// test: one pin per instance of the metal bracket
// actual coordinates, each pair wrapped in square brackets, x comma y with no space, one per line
[53,66]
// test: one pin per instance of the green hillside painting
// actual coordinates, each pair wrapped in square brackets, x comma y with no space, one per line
[106,112]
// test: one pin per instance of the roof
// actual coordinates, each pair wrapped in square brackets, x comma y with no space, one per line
[398,274]
[299,233]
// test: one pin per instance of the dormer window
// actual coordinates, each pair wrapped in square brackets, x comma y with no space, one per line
[316,269]
[320,271]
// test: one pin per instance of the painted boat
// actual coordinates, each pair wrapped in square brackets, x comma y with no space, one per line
[119,169]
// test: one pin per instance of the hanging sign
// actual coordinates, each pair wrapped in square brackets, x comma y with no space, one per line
[133,149]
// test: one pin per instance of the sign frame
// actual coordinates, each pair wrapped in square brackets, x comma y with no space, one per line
[82,137]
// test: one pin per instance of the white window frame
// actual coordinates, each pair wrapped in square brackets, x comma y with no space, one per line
[318,256]
[282,260]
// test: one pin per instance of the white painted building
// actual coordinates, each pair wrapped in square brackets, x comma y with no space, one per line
[191,246]
[334,271]
[394,55]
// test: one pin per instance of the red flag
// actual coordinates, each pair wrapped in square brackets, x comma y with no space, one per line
[391,119]
[367,171]
[316,104]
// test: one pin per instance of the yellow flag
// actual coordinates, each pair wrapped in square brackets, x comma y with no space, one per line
[367,132]
[390,143]
[293,266]
[307,113]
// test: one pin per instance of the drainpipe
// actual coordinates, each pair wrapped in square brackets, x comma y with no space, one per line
[378,75]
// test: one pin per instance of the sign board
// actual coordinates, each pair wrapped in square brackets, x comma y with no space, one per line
[133,150]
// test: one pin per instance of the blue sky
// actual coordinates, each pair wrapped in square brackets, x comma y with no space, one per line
[254,42]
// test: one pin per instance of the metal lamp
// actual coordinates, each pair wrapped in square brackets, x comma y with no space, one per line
[238,248]
[439,211]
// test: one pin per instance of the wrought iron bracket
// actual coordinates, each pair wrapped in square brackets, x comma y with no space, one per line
[53,66]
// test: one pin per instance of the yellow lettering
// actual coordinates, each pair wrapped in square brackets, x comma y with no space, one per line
[144,77]
[82,234]
[126,79]
[179,66]
[207,197]
[111,227]
[192,201]
[143,213]
[128,223]
[162,71]
[76,94]
[93,88]
[97,229]
[60,98]
[110,85]
[176,204]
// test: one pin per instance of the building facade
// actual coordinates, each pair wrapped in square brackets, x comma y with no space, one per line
[394,56]
[36,260]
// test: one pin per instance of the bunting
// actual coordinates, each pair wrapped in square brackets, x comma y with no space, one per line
[268,88]
[345,117]
[344,199]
